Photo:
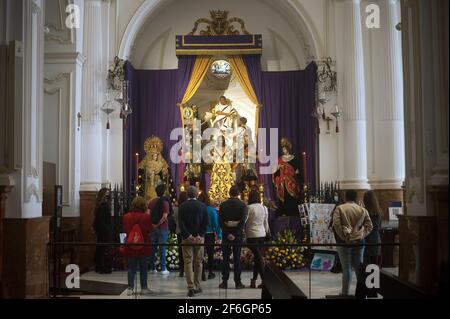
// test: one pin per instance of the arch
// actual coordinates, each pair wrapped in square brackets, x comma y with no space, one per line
[149,7]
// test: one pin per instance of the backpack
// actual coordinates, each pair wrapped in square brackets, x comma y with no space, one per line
[157,211]
[135,237]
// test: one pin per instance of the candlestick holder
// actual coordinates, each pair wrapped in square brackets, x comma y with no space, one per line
[337,114]
[317,114]
[107,108]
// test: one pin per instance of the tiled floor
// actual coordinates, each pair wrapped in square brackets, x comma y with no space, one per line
[174,287]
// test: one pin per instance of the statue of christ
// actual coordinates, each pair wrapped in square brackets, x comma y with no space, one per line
[225,115]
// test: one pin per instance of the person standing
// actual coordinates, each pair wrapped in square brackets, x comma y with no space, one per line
[212,233]
[182,197]
[159,208]
[232,217]
[137,226]
[102,227]
[351,224]
[256,230]
[372,254]
[193,222]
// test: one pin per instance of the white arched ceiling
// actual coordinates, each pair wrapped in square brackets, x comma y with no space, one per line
[290,39]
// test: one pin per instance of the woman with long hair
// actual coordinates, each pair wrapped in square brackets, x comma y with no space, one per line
[102,227]
[372,254]
[212,232]
[182,197]
[256,230]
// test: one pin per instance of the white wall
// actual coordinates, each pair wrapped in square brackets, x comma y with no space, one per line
[283,47]
[62,101]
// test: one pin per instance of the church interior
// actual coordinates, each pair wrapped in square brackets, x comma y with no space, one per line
[103,102]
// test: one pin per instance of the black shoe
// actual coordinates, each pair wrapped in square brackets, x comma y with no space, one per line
[223,285]
[253,283]
[198,291]
[203,277]
[211,275]
[106,271]
[239,285]
[191,293]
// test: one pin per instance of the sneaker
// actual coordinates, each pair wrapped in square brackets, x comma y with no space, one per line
[130,291]
[191,293]
[223,285]
[198,290]
[165,272]
[239,285]
[155,271]
[211,275]
[147,291]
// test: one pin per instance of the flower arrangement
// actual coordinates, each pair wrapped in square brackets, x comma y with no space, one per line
[172,256]
[289,257]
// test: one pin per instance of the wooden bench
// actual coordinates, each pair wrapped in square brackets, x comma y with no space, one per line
[391,287]
[277,285]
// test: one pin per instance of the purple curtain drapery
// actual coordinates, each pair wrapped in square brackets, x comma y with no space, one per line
[288,99]
[153,96]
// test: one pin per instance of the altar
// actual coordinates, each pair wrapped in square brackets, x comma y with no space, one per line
[220,84]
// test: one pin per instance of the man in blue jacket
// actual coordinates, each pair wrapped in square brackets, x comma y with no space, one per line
[193,222]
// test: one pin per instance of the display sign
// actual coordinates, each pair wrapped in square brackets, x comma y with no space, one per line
[319,225]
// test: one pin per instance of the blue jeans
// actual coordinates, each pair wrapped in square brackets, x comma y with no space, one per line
[349,257]
[157,237]
[133,264]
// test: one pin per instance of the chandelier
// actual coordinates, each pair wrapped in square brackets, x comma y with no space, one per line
[119,87]
[327,89]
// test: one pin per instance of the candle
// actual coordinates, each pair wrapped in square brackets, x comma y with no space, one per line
[181,168]
[261,178]
[137,170]
[305,178]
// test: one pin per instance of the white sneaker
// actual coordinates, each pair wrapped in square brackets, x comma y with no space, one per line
[165,272]
[154,271]
[147,291]
[130,292]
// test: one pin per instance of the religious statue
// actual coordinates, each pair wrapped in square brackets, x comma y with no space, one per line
[193,172]
[156,169]
[246,171]
[222,173]
[287,180]
[224,115]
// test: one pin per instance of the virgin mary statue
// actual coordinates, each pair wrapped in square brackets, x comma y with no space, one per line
[156,169]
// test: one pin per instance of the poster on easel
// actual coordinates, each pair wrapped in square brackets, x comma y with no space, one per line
[319,222]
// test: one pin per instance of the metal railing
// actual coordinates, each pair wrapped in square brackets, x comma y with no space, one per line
[55,251]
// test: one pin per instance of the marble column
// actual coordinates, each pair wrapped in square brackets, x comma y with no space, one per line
[93,89]
[354,127]
[389,148]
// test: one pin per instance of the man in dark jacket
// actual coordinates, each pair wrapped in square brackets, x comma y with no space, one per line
[232,217]
[193,221]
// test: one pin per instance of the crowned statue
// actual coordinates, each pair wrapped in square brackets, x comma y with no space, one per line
[222,173]
[156,169]
[287,180]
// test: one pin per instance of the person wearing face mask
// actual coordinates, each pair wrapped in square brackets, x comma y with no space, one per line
[287,181]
